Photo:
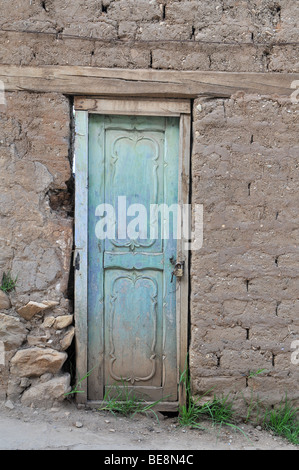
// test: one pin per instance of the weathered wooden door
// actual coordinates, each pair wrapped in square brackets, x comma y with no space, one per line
[133,189]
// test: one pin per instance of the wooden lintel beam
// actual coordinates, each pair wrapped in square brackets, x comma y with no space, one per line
[74,80]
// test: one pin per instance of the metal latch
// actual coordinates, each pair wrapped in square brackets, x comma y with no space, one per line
[77,261]
[76,258]
[178,270]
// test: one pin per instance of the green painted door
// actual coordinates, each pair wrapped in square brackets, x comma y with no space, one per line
[132,332]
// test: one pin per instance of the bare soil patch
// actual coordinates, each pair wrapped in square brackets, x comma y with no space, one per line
[67,427]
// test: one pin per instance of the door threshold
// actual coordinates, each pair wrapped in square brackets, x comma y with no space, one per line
[171,406]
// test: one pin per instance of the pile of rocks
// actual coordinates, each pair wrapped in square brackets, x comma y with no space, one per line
[33,343]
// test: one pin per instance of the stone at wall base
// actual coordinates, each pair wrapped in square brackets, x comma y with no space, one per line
[4,301]
[67,339]
[46,394]
[34,362]
[12,332]
[29,310]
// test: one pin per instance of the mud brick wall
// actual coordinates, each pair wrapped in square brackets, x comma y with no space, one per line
[219,35]
[244,283]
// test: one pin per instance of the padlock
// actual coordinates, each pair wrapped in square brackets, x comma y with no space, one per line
[178,270]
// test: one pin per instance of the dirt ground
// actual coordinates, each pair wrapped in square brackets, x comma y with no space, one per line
[68,428]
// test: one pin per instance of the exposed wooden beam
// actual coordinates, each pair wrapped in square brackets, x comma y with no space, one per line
[76,80]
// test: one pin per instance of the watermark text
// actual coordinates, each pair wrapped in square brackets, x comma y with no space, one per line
[161,221]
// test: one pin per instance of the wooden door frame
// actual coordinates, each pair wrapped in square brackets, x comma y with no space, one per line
[148,107]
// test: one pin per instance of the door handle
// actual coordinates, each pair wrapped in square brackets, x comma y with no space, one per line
[178,270]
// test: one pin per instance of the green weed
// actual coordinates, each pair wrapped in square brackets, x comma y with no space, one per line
[189,413]
[218,410]
[283,421]
[254,406]
[8,283]
[79,384]
[256,373]
[122,399]
[254,409]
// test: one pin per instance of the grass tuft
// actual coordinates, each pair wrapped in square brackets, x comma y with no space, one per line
[121,399]
[8,283]
[78,386]
[283,421]
[219,409]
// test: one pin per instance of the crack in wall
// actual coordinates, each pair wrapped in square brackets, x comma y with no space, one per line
[44,6]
